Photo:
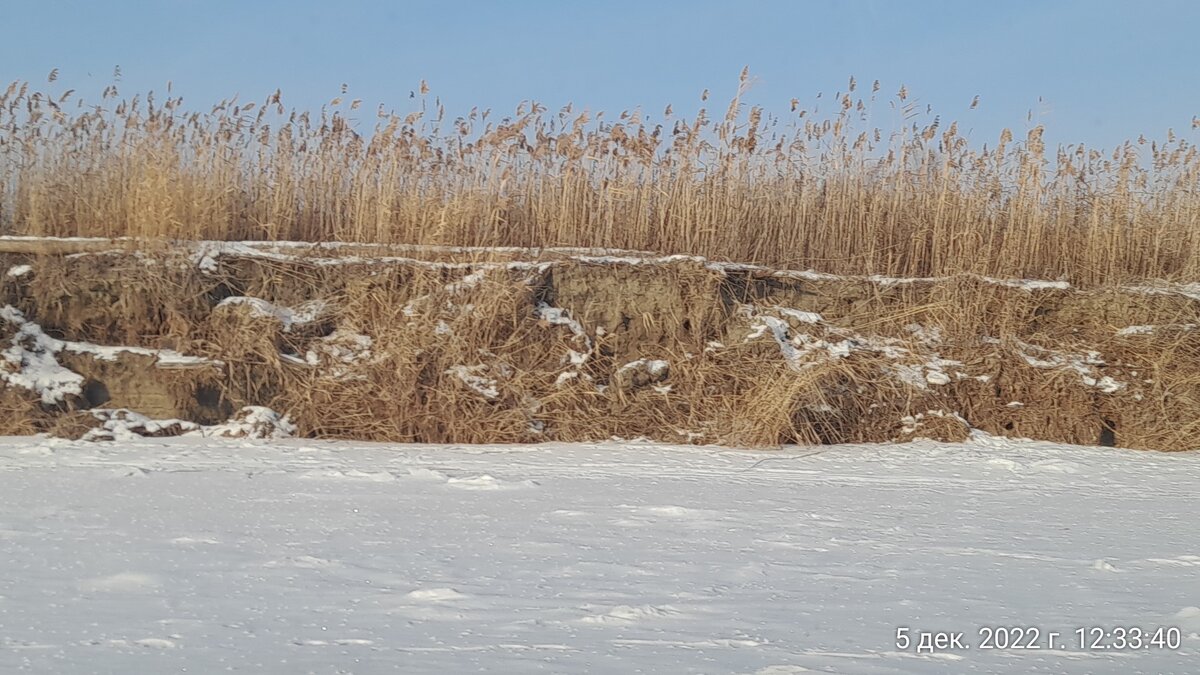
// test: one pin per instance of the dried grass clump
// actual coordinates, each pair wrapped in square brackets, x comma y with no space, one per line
[73,425]
[428,364]
[780,405]
[642,308]
[1163,370]
[805,188]
[144,299]
[21,413]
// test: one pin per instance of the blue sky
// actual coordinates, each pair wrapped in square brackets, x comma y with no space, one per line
[1105,71]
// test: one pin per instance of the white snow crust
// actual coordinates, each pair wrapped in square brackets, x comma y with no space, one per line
[211,555]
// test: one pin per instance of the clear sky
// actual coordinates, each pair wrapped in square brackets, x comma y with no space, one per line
[1105,70]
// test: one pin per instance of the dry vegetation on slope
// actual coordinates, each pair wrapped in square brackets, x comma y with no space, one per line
[437,345]
[798,191]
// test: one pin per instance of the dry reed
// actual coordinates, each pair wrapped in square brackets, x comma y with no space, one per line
[799,190]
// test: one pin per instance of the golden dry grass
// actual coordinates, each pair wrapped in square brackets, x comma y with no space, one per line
[800,190]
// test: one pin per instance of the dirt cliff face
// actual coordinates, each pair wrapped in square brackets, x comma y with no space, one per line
[455,345]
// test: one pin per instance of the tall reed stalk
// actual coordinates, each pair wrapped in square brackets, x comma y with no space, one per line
[799,190]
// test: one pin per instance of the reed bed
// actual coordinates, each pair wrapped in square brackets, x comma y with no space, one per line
[798,190]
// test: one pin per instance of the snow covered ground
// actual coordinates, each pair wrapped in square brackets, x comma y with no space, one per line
[208,555]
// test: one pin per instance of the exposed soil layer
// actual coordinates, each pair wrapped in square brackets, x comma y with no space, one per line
[474,345]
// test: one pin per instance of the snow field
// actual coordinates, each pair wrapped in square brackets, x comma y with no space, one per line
[205,554]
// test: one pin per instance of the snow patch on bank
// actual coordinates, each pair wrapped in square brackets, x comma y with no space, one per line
[556,316]
[1190,291]
[164,358]
[30,361]
[288,317]
[1085,365]
[336,354]
[655,367]
[251,422]
[470,376]
[795,350]
[1153,329]
[256,422]
[803,350]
